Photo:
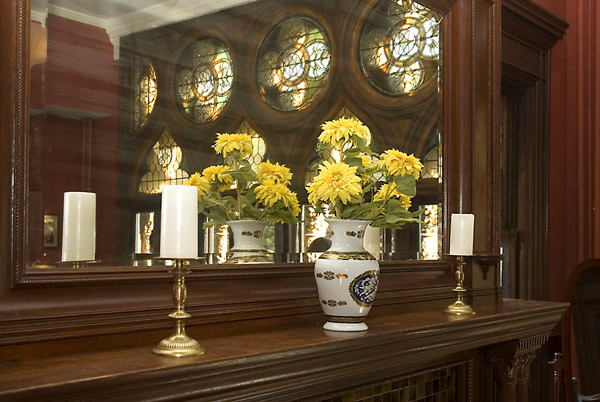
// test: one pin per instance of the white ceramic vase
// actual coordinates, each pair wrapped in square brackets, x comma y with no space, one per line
[248,245]
[347,277]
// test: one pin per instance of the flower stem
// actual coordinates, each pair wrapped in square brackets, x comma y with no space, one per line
[386,197]
[220,205]
[338,213]
[239,201]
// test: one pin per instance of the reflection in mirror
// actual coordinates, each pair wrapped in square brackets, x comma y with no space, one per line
[127,96]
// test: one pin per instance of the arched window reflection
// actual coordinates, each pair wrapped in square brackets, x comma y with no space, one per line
[163,166]
[259,147]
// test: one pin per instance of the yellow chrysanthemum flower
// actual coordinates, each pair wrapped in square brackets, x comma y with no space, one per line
[269,193]
[398,163]
[343,129]
[293,204]
[390,188]
[218,174]
[276,172]
[201,183]
[367,161]
[228,143]
[334,181]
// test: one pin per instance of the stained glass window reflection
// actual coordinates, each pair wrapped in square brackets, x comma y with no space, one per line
[145,90]
[293,63]
[432,164]
[259,148]
[163,166]
[204,80]
[400,47]
[431,241]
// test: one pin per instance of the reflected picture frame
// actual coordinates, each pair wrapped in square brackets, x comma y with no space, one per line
[50,230]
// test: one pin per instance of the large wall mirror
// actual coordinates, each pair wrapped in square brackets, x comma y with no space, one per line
[128,96]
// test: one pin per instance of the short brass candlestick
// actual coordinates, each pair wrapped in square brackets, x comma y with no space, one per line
[459,307]
[179,344]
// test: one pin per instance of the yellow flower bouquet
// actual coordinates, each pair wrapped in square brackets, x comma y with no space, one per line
[235,191]
[362,184]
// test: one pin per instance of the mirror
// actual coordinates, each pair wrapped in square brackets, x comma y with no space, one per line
[127,96]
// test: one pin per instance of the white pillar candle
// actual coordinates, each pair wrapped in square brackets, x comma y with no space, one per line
[179,222]
[79,227]
[461,234]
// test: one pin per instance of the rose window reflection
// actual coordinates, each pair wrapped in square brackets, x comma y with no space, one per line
[204,80]
[400,47]
[145,90]
[293,64]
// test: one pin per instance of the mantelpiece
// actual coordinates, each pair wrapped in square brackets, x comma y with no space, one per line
[284,361]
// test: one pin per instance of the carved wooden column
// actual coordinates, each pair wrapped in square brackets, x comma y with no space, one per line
[557,365]
[511,361]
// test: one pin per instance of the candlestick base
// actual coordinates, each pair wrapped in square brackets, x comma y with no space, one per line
[459,308]
[178,345]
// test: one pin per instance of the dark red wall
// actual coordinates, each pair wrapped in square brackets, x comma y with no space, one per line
[80,72]
[79,78]
[574,220]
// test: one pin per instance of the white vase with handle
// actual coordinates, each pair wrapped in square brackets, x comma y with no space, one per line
[347,277]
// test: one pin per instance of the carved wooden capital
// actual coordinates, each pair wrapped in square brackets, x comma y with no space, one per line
[511,362]
[512,370]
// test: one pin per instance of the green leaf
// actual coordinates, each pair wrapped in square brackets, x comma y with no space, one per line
[347,212]
[216,216]
[406,185]
[361,143]
[250,211]
[356,162]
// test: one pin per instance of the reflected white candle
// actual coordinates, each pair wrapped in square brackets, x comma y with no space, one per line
[79,227]
[179,222]
[461,234]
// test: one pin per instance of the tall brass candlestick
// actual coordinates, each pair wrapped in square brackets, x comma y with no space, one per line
[179,344]
[459,307]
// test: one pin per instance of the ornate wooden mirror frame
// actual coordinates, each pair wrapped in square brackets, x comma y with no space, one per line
[62,305]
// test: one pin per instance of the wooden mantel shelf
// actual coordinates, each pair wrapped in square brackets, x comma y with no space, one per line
[287,363]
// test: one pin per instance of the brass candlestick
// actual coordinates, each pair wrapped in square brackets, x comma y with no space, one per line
[179,344]
[459,307]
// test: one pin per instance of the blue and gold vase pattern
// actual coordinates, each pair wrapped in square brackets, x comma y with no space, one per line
[363,288]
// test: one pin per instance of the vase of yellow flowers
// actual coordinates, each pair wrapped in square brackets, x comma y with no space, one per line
[357,188]
[245,197]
